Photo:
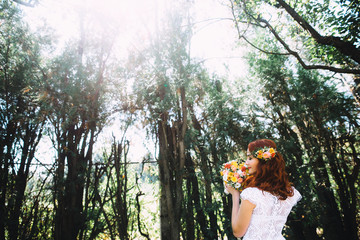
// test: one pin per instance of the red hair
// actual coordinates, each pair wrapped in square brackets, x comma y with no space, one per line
[270,175]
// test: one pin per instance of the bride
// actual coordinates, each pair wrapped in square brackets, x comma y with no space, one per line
[268,198]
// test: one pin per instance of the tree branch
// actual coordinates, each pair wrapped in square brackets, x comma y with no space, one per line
[300,60]
[30,3]
[241,35]
[262,50]
[146,235]
[344,47]
[286,46]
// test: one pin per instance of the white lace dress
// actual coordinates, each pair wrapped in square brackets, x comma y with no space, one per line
[269,215]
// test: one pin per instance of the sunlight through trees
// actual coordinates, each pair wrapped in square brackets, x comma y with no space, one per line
[80,83]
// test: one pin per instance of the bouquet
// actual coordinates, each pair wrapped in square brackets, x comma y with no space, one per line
[234,174]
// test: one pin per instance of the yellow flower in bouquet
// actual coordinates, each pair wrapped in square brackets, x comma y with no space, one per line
[234,174]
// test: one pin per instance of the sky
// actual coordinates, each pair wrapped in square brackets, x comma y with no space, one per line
[214,41]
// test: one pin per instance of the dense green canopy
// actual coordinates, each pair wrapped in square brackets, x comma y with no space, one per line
[301,90]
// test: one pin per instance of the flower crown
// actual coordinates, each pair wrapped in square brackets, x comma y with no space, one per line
[265,153]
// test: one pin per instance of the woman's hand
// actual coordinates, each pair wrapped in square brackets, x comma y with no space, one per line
[231,190]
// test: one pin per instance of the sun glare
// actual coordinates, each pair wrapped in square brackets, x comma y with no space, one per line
[133,23]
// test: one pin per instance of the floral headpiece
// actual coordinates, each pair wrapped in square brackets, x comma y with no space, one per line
[264,153]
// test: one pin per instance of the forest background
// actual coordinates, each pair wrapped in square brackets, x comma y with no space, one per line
[70,108]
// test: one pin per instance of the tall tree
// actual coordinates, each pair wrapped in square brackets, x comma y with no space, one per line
[307,107]
[164,75]
[74,94]
[21,115]
[218,135]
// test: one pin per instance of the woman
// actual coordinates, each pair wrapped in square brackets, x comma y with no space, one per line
[268,198]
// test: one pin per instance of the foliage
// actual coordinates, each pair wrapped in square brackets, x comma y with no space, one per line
[21,115]
[198,122]
[74,96]
[311,130]
[319,35]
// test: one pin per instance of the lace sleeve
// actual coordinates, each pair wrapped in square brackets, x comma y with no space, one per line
[297,197]
[251,194]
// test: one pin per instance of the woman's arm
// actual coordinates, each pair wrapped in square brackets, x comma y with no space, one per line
[240,214]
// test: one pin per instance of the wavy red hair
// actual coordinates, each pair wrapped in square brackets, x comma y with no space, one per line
[270,175]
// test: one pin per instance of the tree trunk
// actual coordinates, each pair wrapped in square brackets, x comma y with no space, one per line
[171,169]
[6,159]
[30,141]
[199,209]
[69,216]
[121,205]
[189,215]
[168,215]
[340,174]
[59,187]
[204,163]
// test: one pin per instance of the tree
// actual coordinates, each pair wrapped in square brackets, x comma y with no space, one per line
[218,134]
[300,108]
[318,35]
[163,77]
[119,197]
[21,114]
[74,95]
